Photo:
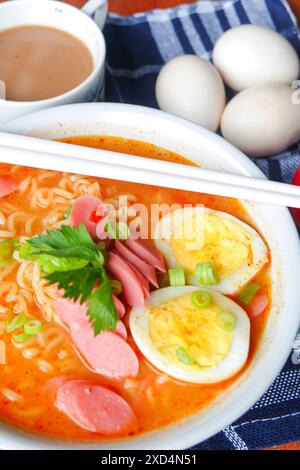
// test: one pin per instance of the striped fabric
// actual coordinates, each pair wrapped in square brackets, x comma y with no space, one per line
[138,46]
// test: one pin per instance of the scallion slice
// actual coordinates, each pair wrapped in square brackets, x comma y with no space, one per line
[117,230]
[123,232]
[176,277]
[101,246]
[33,327]
[21,338]
[226,320]
[184,356]
[249,292]
[206,274]
[13,324]
[201,299]
[7,248]
[116,286]
[67,213]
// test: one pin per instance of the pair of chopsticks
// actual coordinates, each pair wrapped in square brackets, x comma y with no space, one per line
[51,155]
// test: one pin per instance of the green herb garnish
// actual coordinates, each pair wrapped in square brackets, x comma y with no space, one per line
[249,292]
[69,258]
[7,248]
[67,213]
[184,356]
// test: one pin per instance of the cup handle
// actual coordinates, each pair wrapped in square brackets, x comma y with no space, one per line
[99,6]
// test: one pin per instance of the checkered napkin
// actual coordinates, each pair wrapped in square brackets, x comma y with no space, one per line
[138,46]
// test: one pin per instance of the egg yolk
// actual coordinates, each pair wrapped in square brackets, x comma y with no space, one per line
[224,242]
[177,323]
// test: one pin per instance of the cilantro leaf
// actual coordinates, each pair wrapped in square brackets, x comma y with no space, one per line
[77,284]
[50,263]
[67,242]
[70,258]
[101,310]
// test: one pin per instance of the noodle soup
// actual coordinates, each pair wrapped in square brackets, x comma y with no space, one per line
[157,343]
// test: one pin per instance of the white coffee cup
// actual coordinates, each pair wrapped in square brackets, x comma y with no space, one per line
[62,16]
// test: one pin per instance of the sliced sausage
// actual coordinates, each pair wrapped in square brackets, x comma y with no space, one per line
[52,385]
[147,252]
[69,311]
[107,354]
[132,285]
[82,213]
[119,306]
[144,268]
[121,330]
[7,185]
[258,304]
[95,408]
[72,312]
[142,279]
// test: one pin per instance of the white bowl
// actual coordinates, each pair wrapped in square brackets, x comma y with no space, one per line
[275,223]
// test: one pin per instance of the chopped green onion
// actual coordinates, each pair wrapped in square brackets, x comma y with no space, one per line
[101,257]
[116,286]
[101,246]
[226,320]
[123,231]
[15,323]
[176,277]
[67,213]
[21,338]
[201,299]
[249,292]
[33,327]
[206,274]
[110,228]
[184,356]
[117,231]
[7,247]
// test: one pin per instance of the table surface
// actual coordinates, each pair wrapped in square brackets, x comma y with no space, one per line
[127,7]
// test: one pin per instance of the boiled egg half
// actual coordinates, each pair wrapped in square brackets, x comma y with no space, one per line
[193,335]
[197,235]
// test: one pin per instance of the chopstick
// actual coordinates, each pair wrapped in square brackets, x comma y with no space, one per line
[40,153]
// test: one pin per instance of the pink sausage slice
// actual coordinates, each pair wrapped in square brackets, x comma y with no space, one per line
[108,354]
[95,408]
[258,304]
[147,252]
[121,330]
[72,312]
[132,286]
[7,186]
[82,211]
[119,306]
[144,268]
[142,279]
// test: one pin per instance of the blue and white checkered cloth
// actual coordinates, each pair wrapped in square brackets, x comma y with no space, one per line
[138,46]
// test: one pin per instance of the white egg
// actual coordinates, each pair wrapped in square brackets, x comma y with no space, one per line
[232,361]
[251,55]
[262,121]
[191,88]
[234,248]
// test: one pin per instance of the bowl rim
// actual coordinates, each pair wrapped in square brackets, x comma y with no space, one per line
[266,369]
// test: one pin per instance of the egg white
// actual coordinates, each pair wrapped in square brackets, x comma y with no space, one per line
[139,322]
[230,284]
